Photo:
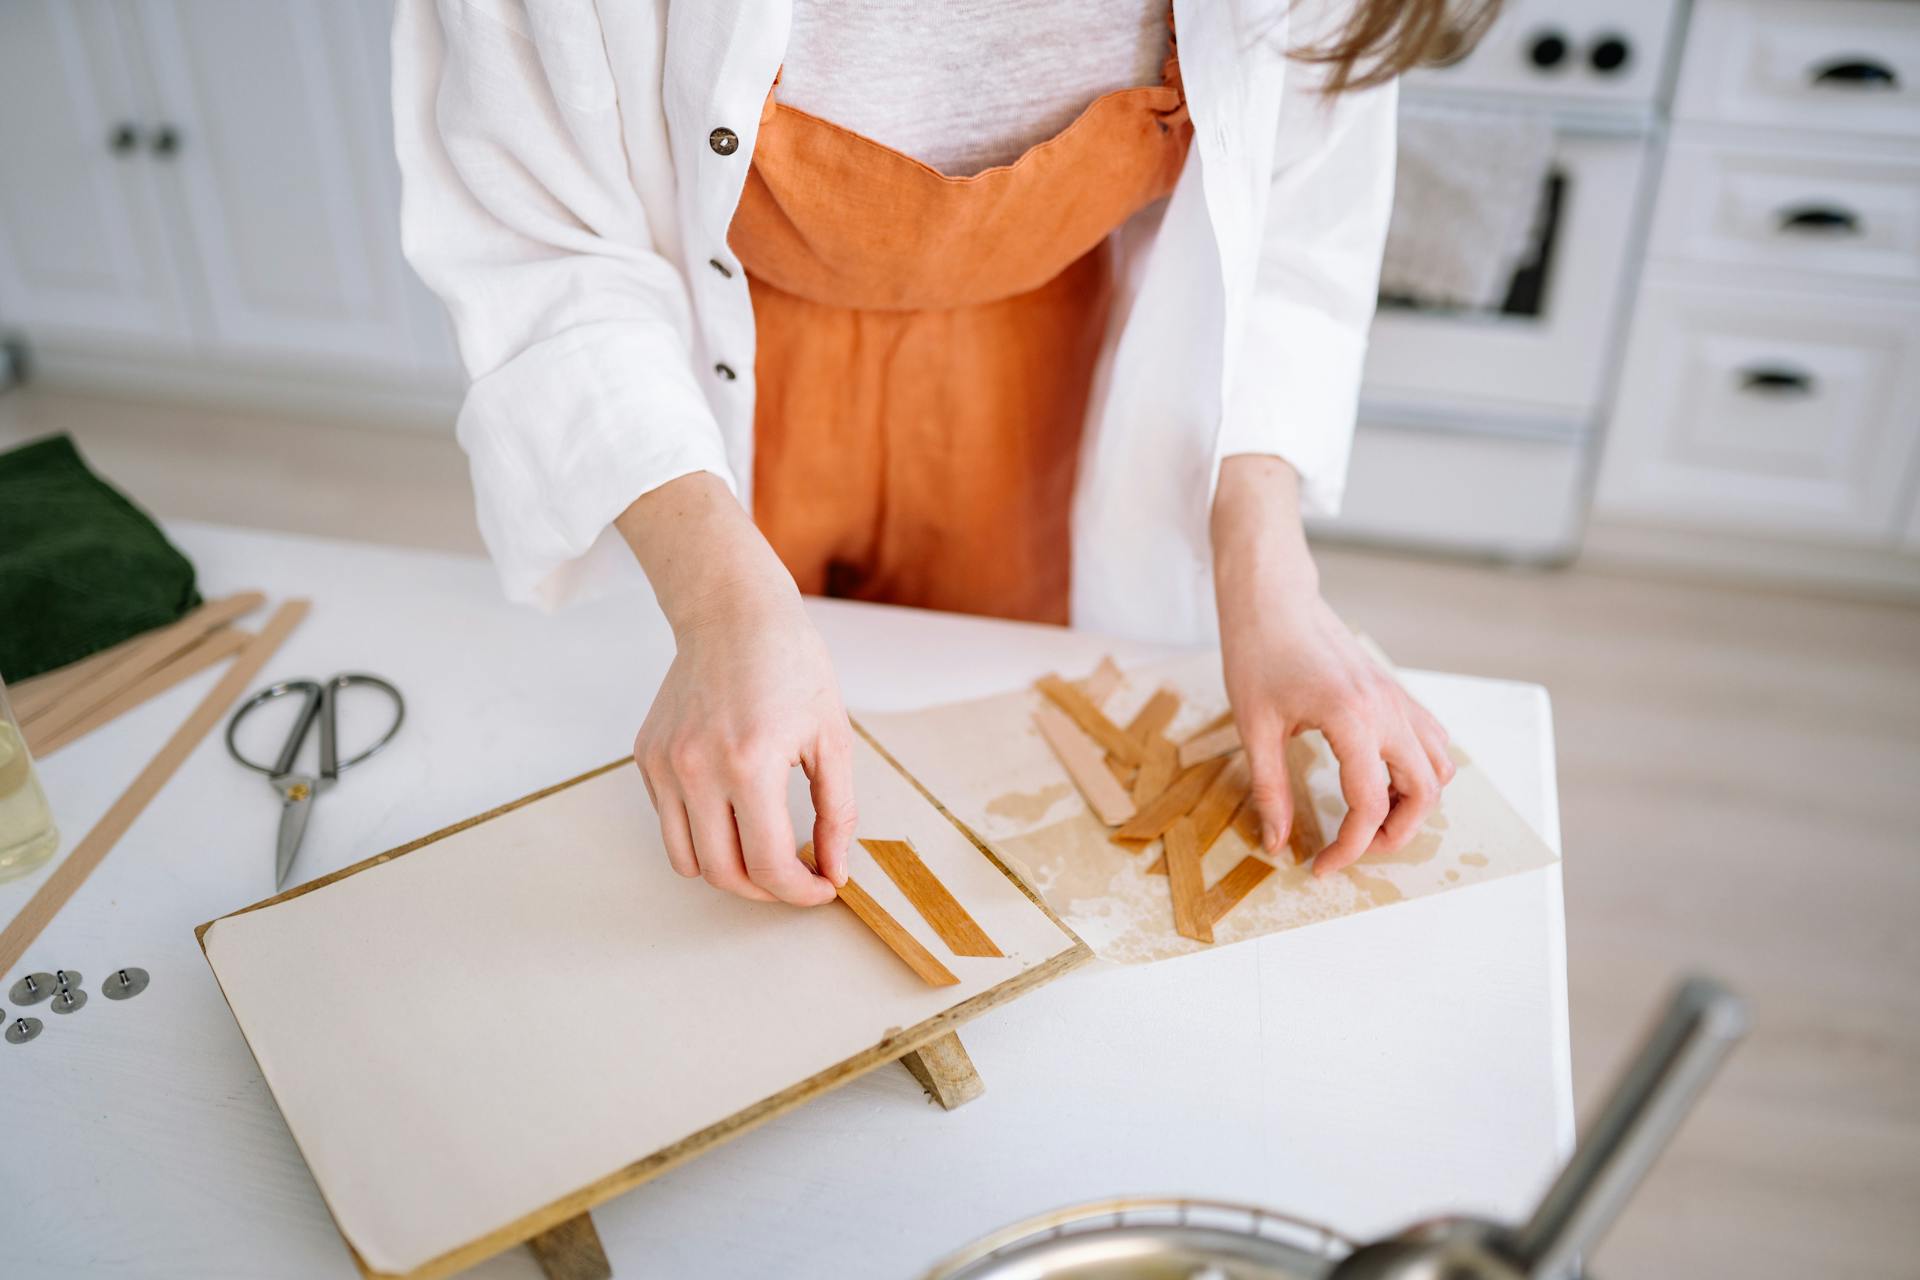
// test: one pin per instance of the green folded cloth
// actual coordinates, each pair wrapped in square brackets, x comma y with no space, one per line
[81,567]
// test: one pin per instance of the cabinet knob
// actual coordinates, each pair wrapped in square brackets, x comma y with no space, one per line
[166,141]
[1775,380]
[123,139]
[1820,220]
[1856,73]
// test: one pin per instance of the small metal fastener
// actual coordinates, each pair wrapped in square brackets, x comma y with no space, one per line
[724,270]
[32,989]
[724,141]
[67,978]
[70,1000]
[726,372]
[124,984]
[21,1030]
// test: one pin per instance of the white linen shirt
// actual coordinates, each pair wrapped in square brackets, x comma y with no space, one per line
[565,196]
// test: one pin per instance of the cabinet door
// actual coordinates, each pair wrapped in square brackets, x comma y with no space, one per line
[82,251]
[281,177]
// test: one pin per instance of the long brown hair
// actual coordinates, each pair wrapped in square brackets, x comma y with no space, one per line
[1383,38]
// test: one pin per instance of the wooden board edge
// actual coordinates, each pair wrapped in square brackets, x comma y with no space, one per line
[888,1050]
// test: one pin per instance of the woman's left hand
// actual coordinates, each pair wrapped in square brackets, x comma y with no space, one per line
[1292,665]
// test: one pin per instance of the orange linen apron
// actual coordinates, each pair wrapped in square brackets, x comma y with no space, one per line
[926,346]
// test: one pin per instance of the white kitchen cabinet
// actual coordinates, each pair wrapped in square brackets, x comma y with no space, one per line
[248,238]
[82,247]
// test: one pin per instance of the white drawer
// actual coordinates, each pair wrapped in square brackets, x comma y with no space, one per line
[1768,412]
[1832,212]
[1807,64]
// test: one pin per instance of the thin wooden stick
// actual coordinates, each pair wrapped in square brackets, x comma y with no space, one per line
[1188,883]
[1105,679]
[1153,717]
[1076,704]
[1208,745]
[936,905]
[1156,772]
[1247,875]
[888,930]
[1215,810]
[31,697]
[218,647]
[155,650]
[1172,804]
[1306,838]
[1081,759]
[97,843]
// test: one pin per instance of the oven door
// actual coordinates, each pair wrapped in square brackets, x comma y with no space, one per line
[1548,352]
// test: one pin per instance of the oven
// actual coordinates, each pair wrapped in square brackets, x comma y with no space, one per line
[1478,423]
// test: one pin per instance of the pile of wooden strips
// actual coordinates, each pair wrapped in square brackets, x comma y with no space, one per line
[1185,795]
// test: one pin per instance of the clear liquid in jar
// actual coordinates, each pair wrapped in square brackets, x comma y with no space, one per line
[27,834]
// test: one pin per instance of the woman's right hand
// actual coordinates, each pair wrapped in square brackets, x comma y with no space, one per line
[750,695]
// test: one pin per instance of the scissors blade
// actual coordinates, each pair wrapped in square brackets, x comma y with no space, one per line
[296,794]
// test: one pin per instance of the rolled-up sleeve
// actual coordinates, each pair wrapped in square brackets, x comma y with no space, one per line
[1297,382]
[518,210]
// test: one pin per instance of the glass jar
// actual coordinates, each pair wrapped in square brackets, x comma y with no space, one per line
[27,834]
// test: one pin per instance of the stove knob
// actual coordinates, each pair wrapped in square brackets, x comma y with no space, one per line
[1547,50]
[1610,55]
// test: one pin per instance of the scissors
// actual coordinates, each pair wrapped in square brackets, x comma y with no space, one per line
[297,790]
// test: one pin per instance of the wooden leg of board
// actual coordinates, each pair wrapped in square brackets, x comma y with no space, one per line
[945,1071]
[571,1251]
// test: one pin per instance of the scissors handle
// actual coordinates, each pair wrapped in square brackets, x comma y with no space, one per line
[320,703]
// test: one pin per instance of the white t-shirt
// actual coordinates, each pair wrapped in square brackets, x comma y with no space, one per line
[964,85]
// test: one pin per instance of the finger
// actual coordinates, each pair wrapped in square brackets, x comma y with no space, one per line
[716,844]
[1433,740]
[1272,791]
[766,842]
[1416,790]
[675,832]
[830,776]
[1364,784]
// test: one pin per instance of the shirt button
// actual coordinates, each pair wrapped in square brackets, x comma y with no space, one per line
[724,141]
[721,267]
[726,372]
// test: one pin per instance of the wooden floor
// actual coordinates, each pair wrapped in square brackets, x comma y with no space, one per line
[1739,773]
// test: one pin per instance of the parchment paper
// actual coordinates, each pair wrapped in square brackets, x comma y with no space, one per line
[989,766]
[464,1035]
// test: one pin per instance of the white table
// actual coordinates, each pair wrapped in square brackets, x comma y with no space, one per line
[1362,1072]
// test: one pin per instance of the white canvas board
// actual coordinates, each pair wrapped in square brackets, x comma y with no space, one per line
[989,765]
[465,1034]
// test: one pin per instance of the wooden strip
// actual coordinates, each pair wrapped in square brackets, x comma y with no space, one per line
[1187,882]
[218,647]
[1156,772]
[1306,838]
[1124,774]
[31,697]
[97,843]
[1209,745]
[1105,679]
[1091,719]
[1153,717]
[888,930]
[1172,804]
[1247,875]
[155,650]
[1081,759]
[1216,808]
[936,905]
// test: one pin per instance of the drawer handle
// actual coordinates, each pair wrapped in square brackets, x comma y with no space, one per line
[1775,380]
[1820,220]
[1857,73]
